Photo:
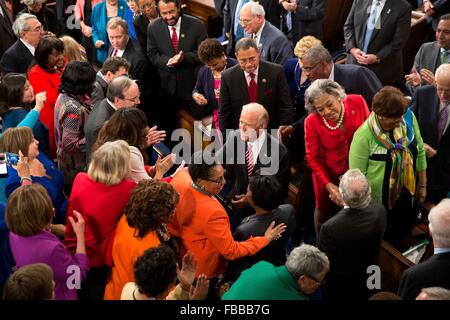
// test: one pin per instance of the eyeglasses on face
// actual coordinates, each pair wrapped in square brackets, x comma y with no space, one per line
[135,99]
[309,69]
[244,22]
[218,181]
[319,283]
[246,60]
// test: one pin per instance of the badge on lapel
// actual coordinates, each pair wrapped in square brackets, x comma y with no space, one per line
[264,80]
[182,35]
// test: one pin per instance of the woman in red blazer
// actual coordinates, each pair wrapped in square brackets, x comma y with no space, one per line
[45,76]
[334,118]
[100,195]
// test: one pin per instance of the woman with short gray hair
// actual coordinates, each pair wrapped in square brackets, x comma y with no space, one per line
[329,131]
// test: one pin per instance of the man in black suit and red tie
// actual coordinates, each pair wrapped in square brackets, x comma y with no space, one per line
[6,21]
[254,80]
[172,42]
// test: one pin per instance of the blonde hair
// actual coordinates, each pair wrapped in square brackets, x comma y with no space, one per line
[304,44]
[110,163]
[72,49]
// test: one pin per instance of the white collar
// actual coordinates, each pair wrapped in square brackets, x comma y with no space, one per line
[257,145]
[247,75]
[29,46]
[177,27]
[111,104]
[331,77]
[258,34]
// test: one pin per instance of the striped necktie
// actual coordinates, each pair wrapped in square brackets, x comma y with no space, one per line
[249,160]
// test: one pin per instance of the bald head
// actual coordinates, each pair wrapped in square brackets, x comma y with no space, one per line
[439,225]
[254,118]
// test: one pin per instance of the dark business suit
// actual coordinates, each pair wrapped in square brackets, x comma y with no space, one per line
[140,23]
[16,59]
[273,159]
[273,94]
[98,116]
[6,31]
[425,105]
[430,273]
[100,89]
[178,81]
[386,43]
[351,239]
[308,19]
[357,80]
[440,7]
[273,45]
[256,225]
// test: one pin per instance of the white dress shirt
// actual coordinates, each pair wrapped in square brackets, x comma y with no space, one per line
[257,145]
[248,78]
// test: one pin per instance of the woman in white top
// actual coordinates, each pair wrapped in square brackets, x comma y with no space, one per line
[130,124]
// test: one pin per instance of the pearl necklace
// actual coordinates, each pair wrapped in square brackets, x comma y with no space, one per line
[339,123]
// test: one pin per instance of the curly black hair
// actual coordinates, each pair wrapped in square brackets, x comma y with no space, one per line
[151,203]
[155,270]
[265,192]
[210,49]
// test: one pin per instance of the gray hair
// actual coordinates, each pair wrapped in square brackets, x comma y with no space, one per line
[439,225]
[307,260]
[444,69]
[256,8]
[31,2]
[116,22]
[245,44]
[21,23]
[318,54]
[318,88]
[117,86]
[437,293]
[355,189]
[263,115]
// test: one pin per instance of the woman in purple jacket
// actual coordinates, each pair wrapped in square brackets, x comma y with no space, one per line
[29,215]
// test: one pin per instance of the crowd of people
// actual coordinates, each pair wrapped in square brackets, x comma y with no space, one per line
[92,196]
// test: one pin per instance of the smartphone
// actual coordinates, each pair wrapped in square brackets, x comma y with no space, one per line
[3,168]
[11,158]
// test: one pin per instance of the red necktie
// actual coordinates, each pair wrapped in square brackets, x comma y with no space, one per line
[252,89]
[174,40]
[115,53]
[249,160]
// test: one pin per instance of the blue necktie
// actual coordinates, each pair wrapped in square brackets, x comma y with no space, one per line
[238,30]
[289,20]
[371,24]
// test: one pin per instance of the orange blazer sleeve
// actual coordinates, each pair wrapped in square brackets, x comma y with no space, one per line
[218,232]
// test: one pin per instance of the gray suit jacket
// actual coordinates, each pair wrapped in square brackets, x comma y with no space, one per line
[98,116]
[428,57]
[273,94]
[274,46]
[386,43]
[179,80]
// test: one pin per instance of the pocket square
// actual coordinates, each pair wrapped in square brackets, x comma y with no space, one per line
[268,91]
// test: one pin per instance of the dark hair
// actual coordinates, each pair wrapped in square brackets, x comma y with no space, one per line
[129,124]
[266,192]
[45,49]
[11,91]
[389,102]
[199,168]
[78,78]
[210,49]
[177,3]
[385,295]
[113,64]
[155,270]
[151,203]
[245,44]
[445,17]
[30,282]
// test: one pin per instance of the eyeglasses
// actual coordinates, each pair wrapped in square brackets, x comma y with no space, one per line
[309,69]
[244,22]
[244,61]
[135,99]
[218,181]
[319,283]
[37,29]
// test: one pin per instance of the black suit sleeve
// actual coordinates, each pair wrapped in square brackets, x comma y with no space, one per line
[325,241]
[407,290]
[285,107]
[158,59]
[7,64]
[369,84]
[311,13]
[199,34]
[226,117]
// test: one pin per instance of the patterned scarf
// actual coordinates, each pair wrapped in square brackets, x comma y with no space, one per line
[402,171]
